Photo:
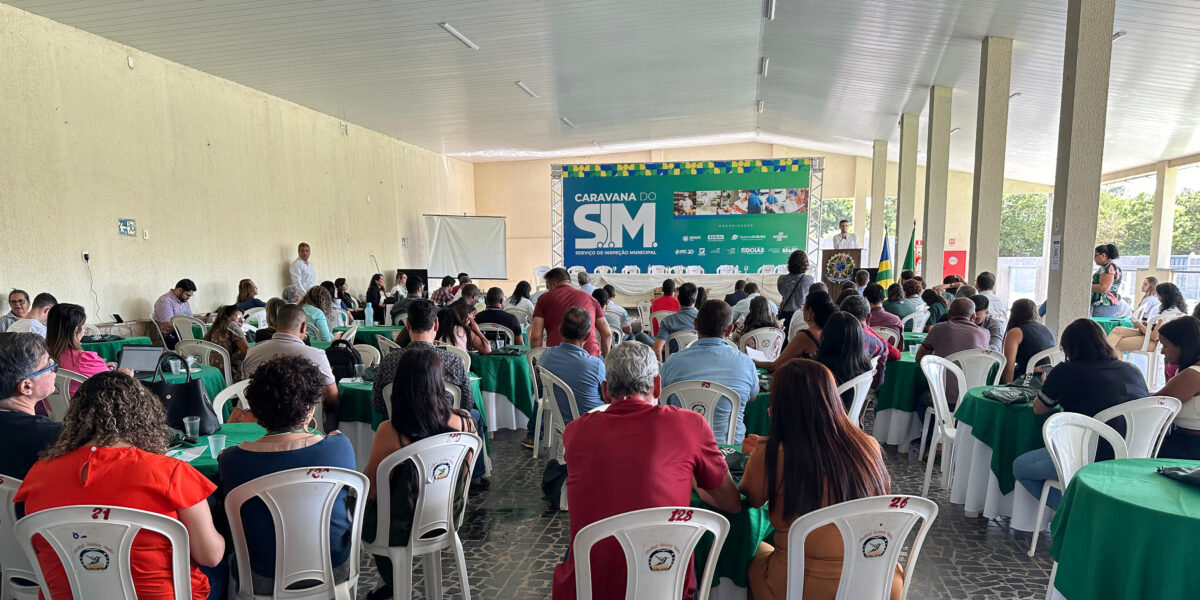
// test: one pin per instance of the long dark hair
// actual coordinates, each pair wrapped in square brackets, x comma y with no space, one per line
[1084,339]
[419,407]
[1023,311]
[62,323]
[931,297]
[826,459]
[895,292]
[759,315]
[1109,250]
[821,305]
[1183,333]
[521,291]
[224,316]
[1171,297]
[449,318]
[842,350]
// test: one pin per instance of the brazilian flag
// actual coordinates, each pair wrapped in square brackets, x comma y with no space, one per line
[910,259]
[884,276]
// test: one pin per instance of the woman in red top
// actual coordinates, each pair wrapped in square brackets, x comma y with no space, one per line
[110,452]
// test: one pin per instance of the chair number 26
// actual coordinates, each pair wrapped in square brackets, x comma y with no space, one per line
[101,513]
[898,503]
[680,515]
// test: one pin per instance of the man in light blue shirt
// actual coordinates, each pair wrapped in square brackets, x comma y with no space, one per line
[585,282]
[742,308]
[684,320]
[712,359]
[572,364]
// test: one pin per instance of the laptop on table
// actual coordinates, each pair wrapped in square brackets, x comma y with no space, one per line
[142,360]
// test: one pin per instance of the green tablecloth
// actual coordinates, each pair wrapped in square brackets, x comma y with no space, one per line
[1123,531]
[1111,323]
[507,375]
[109,351]
[321,344]
[213,378]
[911,339]
[235,433]
[354,404]
[198,332]
[366,334]
[902,383]
[756,419]
[1009,430]
[746,529]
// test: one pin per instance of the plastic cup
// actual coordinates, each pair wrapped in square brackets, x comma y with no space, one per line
[359,369]
[176,365]
[191,428]
[912,351]
[216,443]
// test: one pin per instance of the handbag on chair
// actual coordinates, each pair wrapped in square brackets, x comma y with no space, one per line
[185,399]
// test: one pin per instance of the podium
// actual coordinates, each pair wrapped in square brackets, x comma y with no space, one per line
[839,266]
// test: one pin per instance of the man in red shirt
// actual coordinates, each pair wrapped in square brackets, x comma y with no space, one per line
[635,455]
[667,301]
[548,314]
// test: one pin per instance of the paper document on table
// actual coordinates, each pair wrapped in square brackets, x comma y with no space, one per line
[755,354]
[187,454]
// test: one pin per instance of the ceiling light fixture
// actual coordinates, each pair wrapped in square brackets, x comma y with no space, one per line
[568,122]
[761,105]
[1014,95]
[1118,35]
[462,38]
[763,63]
[955,130]
[521,84]
[770,10]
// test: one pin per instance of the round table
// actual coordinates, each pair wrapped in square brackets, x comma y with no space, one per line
[913,339]
[110,351]
[235,433]
[1111,323]
[896,420]
[507,386]
[366,334]
[1122,531]
[990,436]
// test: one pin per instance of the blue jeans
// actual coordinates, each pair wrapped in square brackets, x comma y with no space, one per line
[1105,311]
[1034,468]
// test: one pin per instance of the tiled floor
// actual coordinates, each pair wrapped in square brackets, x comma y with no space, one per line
[513,540]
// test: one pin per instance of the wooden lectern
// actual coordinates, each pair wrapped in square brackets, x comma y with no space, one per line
[839,266]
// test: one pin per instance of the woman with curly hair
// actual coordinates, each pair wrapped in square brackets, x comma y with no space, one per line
[1171,305]
[110,453]
[318,307]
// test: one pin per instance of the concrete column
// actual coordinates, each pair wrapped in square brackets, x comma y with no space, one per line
[1081,124]
[878,197]
[991,138]
[906,192]
[862,187]
[937,180]
[1162,228]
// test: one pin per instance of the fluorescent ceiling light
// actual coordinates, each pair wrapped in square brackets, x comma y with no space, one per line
[763,63]
[770,10]
[761,105]
[521,84]
[462,38]
[955,130]
[568,122]
[1014,95]
[1118,35]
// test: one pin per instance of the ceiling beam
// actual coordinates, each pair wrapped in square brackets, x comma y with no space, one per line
[1181,161]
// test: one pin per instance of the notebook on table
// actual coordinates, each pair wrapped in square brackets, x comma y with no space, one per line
[142,360]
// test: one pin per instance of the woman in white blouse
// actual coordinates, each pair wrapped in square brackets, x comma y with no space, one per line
[1171,305]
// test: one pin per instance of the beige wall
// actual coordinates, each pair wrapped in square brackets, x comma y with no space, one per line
[225,179]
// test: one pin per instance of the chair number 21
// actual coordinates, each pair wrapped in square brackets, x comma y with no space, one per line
[898,503]
[101,513]
[680,515]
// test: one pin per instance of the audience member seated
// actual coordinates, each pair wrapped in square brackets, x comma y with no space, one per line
[378,299]
[793,286]
[958,333]
[291,329]
[1181,347]
[667,300]
[494,313]
[272,314]
[711,358]
[26,378]
[18,302]
[445,294]
[738,293]
[683,320]
[897,304]
[110,453]
[318,309]
[742,308]
[1126,339]
[875,346]
[292,295]
[343,294]
[814,458]
[463,279]
[618,317]
[247,297]
[456,327]
[843,352]
[333,299]
[468,296]
[607,453]
[965,291]
[985,282]
[984,318]
[862,278]
[415,288]
[806,343]
[937,306]
[520,299]
[760,316]
[949,287]
[1092,379]
[1150,305]
[550,308]
[35,319]
[419,411]
[568,361]
[172,304]
[400,289]
[421,327]
[226,332]
[879,317]
[64,335]
[585,282]
[283,396]
[1025,337]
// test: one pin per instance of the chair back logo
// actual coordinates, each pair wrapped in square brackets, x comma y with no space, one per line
[660,558]
[94,559]
[874,545]
[441,470]
[700,408]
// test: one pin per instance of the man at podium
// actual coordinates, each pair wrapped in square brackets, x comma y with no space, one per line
[844,239]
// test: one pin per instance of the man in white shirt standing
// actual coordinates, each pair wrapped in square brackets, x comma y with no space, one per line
[844,239]
[304,276]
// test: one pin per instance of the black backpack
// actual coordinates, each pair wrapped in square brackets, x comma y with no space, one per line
[342,359]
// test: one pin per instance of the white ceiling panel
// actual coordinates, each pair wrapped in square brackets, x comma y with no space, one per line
[629,71]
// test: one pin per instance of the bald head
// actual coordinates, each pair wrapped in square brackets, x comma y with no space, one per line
[291,319]
[962,307]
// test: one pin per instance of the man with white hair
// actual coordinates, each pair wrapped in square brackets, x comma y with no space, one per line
[635,455]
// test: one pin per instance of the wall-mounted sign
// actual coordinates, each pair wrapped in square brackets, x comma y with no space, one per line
[127,227]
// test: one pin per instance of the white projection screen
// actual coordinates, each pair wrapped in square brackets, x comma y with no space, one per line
[474,245]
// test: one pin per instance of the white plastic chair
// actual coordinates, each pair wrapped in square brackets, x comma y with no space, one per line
[455,395]
[350,333]
[386,345]
[643,308]
[1071,439]
[344,318]
[539,276]
[678,270]
[543,417]
[1147,421]
[236,391]
[656,317]
[439,462]
[727,270]
[256,316]
[89,329]
[861,386]
[702,397]
[695,270]
[1153,356]
[796,325]
[1054,355]
[937,371]
[918,319]
[460,353]
[602,270]
[109,531]
[19,580]
[781,270]
[203,352]
[873,531]
[521,314]
[977,366]
[60,400]
[631,270]
[650,539]
[551,386]
[576,270]
[398,319]
[888,334]
[500,329]
[370,354]
[768,340]
[766,270]
[183,326]
[301,505]
[681,339]
[656,270]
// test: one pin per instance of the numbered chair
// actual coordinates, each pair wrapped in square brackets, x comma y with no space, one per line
[439,462]
[301,503]
[888,334]
[1071,440]
[768,340]
[702,397]
[937,371]
[1053,355]
[203,351]
[99,567]
[873,532]
[182,324]
[19,580]
[656,317]
[679,339]
[1147,421]
[60,400]
[631,270]
[370,354]
[658,543]
[861,386]
[235,392]
[980,367]
[499,330]
[386,345]
[553,390]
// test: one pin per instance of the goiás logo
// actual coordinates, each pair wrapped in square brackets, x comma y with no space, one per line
[610,217]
